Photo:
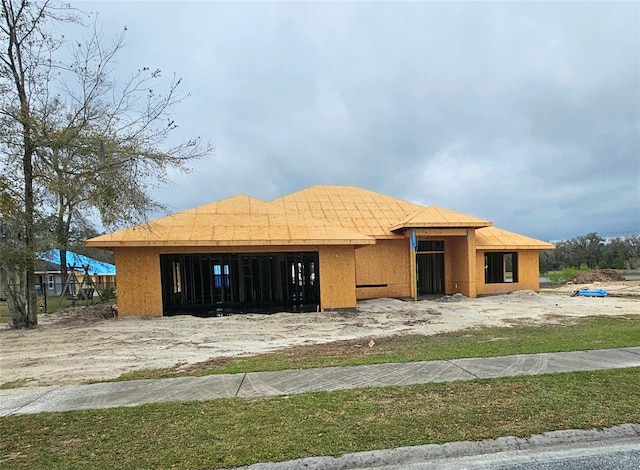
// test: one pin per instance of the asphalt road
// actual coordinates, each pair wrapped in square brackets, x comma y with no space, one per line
[616,460]
[607,457]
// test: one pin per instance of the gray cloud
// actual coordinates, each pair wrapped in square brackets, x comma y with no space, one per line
[527,114]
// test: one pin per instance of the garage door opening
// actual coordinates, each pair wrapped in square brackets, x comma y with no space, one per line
[219,284]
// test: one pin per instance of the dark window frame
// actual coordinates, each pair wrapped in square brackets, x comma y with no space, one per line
[497,264]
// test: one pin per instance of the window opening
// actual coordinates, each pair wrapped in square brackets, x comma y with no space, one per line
[500,267]
[431,246]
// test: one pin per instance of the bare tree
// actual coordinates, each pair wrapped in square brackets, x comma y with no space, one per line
[88,143]
[24,69]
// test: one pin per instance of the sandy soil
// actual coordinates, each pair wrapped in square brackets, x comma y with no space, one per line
[77,345]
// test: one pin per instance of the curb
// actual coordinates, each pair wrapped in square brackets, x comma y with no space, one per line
[406,456]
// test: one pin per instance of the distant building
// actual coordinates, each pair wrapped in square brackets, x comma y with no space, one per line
[49,281]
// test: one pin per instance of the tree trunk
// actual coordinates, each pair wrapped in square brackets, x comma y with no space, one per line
[30,261]
[14,60]
[16,299]
[63,265]
[63,230]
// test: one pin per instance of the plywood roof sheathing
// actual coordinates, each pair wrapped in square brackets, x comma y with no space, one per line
[237,221]
[493,238]
[319,215]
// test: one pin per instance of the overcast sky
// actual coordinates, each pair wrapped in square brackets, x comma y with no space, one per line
[523,113]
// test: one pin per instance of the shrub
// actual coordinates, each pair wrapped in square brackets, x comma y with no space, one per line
[566,273]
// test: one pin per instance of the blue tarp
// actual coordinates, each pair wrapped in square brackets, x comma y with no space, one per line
[592,293]
[74,259]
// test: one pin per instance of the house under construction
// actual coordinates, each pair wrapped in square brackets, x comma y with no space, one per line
[321,248]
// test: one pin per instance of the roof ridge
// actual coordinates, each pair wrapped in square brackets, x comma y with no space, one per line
[352,207]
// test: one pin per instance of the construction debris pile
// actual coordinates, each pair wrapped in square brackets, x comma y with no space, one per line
[597,275]
[453,298]
[78,316]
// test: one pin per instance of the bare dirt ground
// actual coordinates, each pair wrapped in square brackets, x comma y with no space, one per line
[78,345]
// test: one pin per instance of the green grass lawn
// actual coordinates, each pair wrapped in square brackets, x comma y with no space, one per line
[232,432]
[4,312]
[583,334]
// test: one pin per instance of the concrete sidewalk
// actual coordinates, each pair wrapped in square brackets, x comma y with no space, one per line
[286,382]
